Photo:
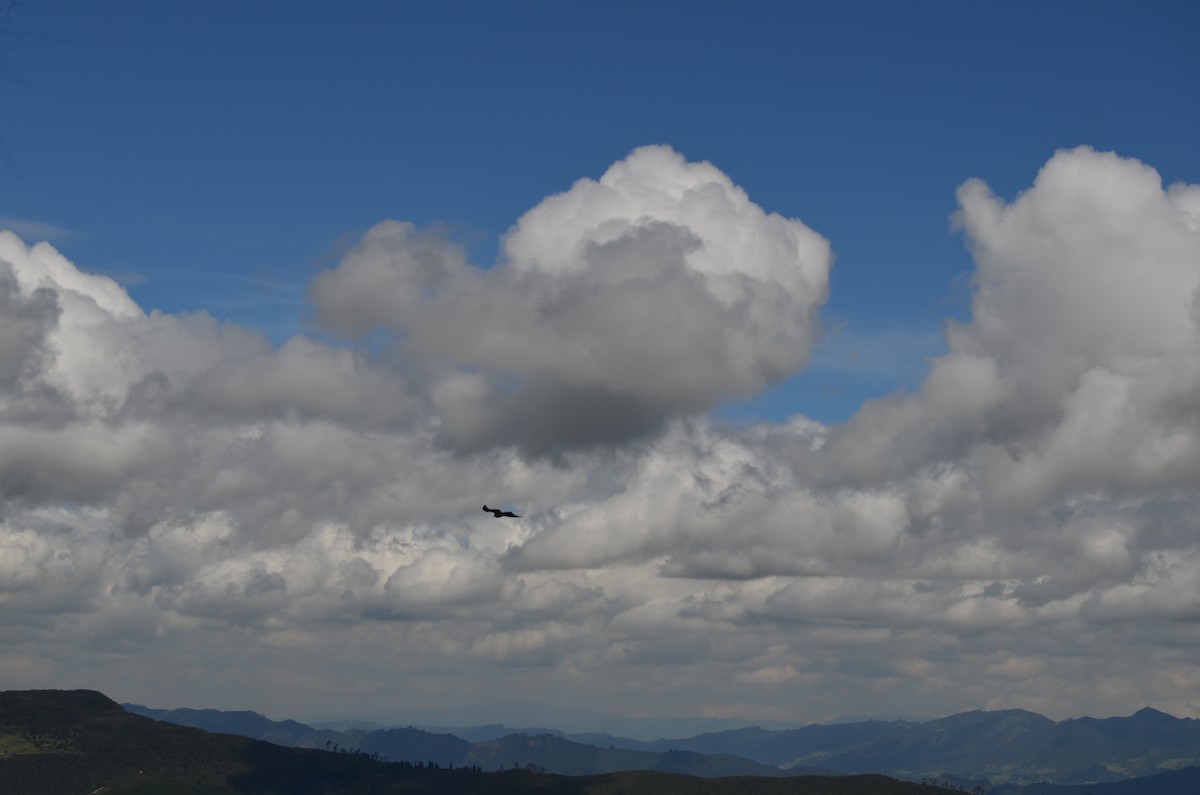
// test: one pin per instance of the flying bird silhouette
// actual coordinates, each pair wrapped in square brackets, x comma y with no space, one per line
[496,512]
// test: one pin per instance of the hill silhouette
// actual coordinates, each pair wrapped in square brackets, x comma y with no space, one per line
[79,741]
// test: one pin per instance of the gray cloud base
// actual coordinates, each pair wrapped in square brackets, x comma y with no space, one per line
[192,515]
[656,292]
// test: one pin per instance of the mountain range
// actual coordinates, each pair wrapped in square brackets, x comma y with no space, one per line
[77,742]
[541,749]
[1008,746]
[1007,749]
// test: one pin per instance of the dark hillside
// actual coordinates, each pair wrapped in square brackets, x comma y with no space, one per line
[1175,782]
[245,723]
[80,741]
[416,745]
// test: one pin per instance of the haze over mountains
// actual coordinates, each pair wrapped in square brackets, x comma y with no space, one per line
[56,742]
[64,742]
[977,748]
[532,716]
[489,747]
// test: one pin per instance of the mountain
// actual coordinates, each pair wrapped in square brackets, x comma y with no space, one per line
[810,745]
[560,755]
[79,741]
[970,748]
[245,723]
[415,745]
[258,727]
[1009,746]
[1176,782]
[55,742]
[884,718]
[570,720]
[342,725]
[491,731]
[603,740]
[547,752]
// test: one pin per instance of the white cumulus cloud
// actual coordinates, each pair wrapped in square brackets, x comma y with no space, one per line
[189,508]
[656,291]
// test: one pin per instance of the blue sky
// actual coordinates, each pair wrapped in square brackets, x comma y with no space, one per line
[214,155]
[324,278]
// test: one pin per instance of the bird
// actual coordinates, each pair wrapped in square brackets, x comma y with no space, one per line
[496,512]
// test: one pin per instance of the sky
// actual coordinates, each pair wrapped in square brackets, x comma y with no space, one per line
[839,358]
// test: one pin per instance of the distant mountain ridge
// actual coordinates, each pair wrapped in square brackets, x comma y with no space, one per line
[1009,746]
[1013,747]
[548,752]
[535,718]
[78,742]
[243,722]
[1175,782]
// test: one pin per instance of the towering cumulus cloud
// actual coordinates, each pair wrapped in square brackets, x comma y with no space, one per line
[188,508]
[655,292]
[1079,363]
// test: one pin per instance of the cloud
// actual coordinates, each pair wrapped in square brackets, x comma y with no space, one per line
[24,326]
[655,292]
[35,230]
[188,508]
[1082,343]
[1045,466]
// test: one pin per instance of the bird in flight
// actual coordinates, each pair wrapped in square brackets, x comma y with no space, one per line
[496,512]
